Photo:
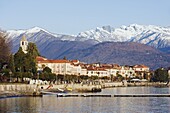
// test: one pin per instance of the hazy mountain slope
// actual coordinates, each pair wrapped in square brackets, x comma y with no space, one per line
[126,53]
[58,49]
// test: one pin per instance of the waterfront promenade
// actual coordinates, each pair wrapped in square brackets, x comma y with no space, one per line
[35,90]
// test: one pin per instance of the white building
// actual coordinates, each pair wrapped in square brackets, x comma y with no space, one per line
[100,72]
[59,66]
[141,68]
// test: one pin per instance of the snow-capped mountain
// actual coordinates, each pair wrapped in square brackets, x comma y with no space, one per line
[155,36]
[37,35]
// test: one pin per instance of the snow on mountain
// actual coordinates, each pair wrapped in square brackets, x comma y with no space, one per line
[37,35]
[156,36]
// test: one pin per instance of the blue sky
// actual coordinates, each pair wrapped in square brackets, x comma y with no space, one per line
[74,16]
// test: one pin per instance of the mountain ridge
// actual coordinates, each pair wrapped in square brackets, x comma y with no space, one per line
[82,46]
[156,36]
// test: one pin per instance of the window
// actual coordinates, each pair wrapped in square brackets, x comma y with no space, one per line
[22,43]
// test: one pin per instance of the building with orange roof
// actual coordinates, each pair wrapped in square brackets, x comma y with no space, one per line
[141,68]
[96,71]
[58,66]
[142,71]
[75,67]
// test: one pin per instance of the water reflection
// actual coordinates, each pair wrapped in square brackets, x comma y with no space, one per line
[136,90]
[53,104]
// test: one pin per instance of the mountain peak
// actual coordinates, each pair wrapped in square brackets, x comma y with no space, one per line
[35,29]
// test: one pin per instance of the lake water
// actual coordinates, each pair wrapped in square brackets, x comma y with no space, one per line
[53,104]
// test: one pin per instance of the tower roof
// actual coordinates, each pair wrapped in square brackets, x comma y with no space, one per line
[23,38]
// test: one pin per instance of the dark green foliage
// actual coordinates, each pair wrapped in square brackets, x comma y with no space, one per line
[70,78]
[19,60]
[60,77]
[93,77]
[47,76]
[83,77]
[47,70]
[105,78]
[11,64]
[161,75]
[32,50]
[5,72]
[120,77]
[26,62]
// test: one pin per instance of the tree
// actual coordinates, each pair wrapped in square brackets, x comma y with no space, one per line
[19,60]
[47,70]
[31,57]
[32,50]
[11,64]
[161,75]
[26,62]
[64,58]
[4,49]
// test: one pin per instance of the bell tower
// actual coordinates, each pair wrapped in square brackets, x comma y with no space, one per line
[24,44]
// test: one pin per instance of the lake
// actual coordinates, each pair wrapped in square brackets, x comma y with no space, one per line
[54,104]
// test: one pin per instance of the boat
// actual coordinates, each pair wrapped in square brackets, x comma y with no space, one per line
[58,90]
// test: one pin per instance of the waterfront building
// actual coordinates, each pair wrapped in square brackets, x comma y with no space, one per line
[127,71]
[96,71]
[114,70]
[141,71]
[59,66]
[75,67]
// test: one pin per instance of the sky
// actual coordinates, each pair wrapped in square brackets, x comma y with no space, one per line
[75,16]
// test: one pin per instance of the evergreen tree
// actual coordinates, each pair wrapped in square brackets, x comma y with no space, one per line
[26,62]
[32,50]
[19,60]
[47,70]
[11,64]
[161,75]
[31,57]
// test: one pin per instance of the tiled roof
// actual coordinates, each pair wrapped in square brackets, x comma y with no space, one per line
[54,61]
[39,58]
[95,69]
[140,66]
[75,61]
[44,60]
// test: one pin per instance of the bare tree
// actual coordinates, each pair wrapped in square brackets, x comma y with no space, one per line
[4,49]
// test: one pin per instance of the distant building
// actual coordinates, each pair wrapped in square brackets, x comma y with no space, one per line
[142,71]
[24,44]
[96,71]
[59,66]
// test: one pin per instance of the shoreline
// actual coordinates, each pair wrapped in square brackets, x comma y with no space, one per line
[26,90]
